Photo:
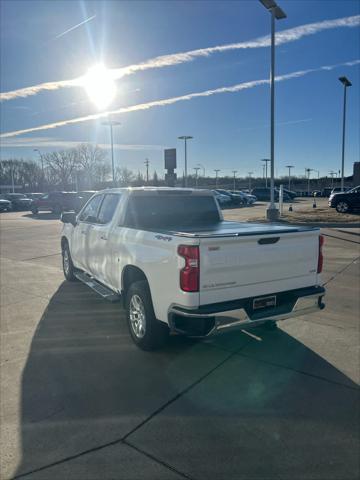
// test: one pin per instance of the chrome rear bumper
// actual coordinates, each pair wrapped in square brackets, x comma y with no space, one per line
[238,318]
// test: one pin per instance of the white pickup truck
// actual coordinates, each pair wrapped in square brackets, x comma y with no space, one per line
[179,267]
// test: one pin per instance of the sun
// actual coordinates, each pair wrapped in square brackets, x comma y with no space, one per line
[100,86]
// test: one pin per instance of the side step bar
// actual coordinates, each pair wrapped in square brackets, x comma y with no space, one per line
[99,288]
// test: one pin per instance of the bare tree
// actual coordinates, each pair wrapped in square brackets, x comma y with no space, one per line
[61,166]
[124,176]
[91,160]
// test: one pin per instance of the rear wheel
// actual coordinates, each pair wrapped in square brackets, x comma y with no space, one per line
[57,209]
[34,210]
[342,206]
[68,266]
[145,330]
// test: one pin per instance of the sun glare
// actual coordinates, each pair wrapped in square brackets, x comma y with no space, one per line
[100,86]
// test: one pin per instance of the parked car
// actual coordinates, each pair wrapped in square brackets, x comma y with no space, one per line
[236,199]
[224,200]
[5,205]
[263,194]
[345,202]
[338,190]
[34,196]
[290,193]
[55,202]
[248,199]
[19,201]
[179,267]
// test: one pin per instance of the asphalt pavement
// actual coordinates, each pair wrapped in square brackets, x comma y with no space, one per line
[80,401]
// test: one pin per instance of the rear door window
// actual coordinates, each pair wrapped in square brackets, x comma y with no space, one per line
[108,208]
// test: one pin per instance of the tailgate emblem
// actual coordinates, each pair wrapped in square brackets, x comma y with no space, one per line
[213,249]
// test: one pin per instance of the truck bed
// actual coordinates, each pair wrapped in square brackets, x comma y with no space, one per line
[232,229]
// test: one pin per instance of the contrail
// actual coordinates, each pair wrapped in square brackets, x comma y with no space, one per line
[282,37]
[170,101]
[75,26]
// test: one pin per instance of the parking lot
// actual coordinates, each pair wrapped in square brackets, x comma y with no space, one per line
[80,401]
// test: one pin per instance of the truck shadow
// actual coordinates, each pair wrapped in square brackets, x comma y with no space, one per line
[85,385]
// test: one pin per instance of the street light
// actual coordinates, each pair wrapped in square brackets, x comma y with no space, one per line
[290,167]
[332,173]
[42,167]
[185,138]
[196,177]
[250,173]
[346,84]
[203,168]
[234,172]
[266,160]
[272,212]
[147,169]
[111,124]
[217,170]
[308,170]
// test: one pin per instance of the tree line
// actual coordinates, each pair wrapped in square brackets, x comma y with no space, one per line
[85,167]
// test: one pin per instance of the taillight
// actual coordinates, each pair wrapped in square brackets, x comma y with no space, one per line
[320,257]
[189,275]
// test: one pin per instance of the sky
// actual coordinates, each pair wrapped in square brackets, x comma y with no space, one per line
[56,41]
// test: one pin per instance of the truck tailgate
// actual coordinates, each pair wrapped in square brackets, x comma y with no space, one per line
[241,266]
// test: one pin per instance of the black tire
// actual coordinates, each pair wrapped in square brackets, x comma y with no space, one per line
[68,266]
[34,210]
[343,206]
[146,331]
[57,209]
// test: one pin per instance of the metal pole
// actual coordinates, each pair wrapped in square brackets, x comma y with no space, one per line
[185,162]
[343,142]
[234,172]
[289,176]
[216,177]
[272,133]
[147,170]
[266,174]
[12,177]
[112,153]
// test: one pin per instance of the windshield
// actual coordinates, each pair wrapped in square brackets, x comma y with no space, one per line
[164,212]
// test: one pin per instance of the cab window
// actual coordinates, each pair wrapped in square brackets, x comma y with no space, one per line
[90,211]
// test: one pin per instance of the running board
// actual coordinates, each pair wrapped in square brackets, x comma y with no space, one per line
[103,291]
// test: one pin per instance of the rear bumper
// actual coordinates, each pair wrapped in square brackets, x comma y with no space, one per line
[212,319]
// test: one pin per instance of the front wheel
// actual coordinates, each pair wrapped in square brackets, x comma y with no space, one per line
[34,210]
[145,330]
[68,266]
[342,206]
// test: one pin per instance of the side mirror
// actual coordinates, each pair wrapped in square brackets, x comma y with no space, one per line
[69,217]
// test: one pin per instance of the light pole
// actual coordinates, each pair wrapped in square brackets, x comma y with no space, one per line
[308,170]
[203,168]
[266,160]
[217,170]
[250,173]
[234,172]
[332,173]
[346,84]
[272,212]
[147,170]
[289,167]
[111,124]
[185,138]
[196,175]
[42,167]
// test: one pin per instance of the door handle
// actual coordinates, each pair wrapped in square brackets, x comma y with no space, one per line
[103,237]
[83,232]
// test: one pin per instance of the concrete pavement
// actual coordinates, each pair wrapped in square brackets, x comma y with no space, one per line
[80,401]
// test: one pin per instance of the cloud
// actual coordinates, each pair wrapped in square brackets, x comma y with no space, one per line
[282,37]
[50,142]
[74,27]
[171,101]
